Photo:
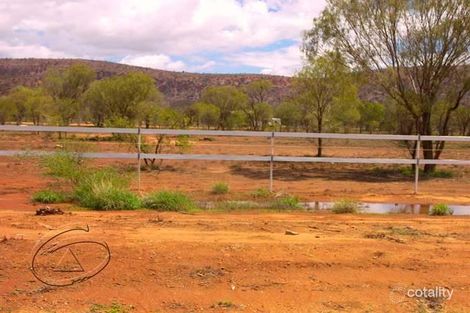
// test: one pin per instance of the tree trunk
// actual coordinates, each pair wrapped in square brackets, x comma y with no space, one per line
[319,148]
[428,148]
[320,129]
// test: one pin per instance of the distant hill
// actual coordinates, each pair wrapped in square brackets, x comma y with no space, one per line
[179,87]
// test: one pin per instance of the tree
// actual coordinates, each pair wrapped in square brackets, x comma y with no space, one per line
[37,104]
[321,84]
[18,98]
[66,88]
[412,49]
[206,114]
[290,115]
[257,109]
[462,120]
[371,115]
[6,110]
[147,112]
[228,100]
[120,97]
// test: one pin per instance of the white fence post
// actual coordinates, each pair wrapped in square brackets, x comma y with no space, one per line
[271,163]
[418,148]
[139,143]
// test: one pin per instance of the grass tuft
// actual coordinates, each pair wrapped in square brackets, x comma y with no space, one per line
[286,202]
[113,308]
[261,193]
[220,188]
[48,196]
[345,206]
[440,209]
[169,201]
[105,189]
[63,165]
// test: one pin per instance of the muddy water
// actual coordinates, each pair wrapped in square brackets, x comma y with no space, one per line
[385,208]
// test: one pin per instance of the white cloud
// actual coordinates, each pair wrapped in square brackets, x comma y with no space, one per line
[28,51]
[203,67]
[144,30]
[285,61]
[157,61]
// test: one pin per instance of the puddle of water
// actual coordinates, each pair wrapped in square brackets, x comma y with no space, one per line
[386,208]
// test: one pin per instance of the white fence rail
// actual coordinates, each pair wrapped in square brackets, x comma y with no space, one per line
[251,158]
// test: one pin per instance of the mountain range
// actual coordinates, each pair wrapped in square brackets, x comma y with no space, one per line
[179,88]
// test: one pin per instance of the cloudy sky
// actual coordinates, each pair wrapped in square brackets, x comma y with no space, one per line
[214,36]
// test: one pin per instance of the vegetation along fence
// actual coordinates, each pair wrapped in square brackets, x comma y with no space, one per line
[251,158]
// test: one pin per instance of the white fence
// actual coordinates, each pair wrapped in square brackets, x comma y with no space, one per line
[252,158]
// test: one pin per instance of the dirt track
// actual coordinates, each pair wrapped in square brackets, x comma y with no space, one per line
[245,263]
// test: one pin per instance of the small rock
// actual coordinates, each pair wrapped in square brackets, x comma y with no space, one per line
[291,232]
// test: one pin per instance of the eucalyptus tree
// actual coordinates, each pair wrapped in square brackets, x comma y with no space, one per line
[257,109]
[229,100]
[66,86]
[323,84]
[412,49]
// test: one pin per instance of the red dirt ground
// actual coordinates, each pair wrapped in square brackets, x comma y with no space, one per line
[168,262]
[244,262]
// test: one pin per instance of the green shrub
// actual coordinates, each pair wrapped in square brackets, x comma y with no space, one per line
[48,196]
[63,165]
[285,202]
[440,209]
[169,201]
[183,143]
[105,196]
[261,193]
[220,188]
[105,189]
[345,206]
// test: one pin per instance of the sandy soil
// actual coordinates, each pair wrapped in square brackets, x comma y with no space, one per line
[169,262]
[244,262]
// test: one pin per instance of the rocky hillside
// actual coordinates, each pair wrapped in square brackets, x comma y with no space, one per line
[178,87]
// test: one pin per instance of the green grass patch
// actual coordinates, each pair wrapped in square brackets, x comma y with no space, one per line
[169,201]
[286,202]
[345,206]
[113,308]
[261,193]
[99,189]
[106,197]
[440,209]
[105,189]
[64,165]
[220,188]
[48,196]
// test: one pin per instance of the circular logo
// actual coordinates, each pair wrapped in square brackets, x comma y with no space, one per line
[398,294]
[67,257]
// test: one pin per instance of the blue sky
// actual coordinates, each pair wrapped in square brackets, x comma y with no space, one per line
[212,36]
